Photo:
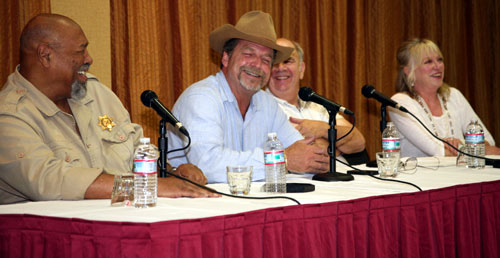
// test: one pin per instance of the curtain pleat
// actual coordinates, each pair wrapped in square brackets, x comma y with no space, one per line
[14,14]
[163,46]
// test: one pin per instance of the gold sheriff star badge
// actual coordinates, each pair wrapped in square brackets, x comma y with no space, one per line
[106,122]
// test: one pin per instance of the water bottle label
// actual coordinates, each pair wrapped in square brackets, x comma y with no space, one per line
[144,166]
[274,157]
[474,138]
[391,144]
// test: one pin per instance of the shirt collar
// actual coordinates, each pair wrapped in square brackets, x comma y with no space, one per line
[225,90]
[42,102]
[302,103]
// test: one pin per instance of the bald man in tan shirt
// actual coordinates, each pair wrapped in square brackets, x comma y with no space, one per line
[63,134]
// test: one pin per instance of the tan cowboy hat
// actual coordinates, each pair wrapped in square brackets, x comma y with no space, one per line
[254,26]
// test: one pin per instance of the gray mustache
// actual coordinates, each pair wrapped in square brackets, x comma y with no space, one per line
[252,70]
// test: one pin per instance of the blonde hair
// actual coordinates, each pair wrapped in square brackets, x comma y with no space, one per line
[410,54]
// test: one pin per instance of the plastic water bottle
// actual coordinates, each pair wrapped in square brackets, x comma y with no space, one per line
[274,160]
[391,139]
[474,140]
[145,174]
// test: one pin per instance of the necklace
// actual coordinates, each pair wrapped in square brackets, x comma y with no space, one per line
[431,118]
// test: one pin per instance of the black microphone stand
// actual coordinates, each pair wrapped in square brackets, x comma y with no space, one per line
[162,148]
[383,118]
[332,175]
[383,125]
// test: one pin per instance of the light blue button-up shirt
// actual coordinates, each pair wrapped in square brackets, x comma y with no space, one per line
[220,137]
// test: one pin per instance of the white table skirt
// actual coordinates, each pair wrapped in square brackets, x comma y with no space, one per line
[191,208]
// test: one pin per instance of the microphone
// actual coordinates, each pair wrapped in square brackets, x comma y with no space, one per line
[307,94]
[150,99]
[370,92]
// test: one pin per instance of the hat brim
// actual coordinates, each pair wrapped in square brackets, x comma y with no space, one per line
[221,35]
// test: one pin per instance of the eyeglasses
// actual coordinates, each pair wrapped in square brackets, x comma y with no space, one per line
[410,165]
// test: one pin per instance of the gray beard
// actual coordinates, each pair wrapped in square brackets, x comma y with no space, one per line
[78,90]
[248,87]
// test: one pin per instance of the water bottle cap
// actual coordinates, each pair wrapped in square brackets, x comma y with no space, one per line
[144,140]
[271,135]
[390,123]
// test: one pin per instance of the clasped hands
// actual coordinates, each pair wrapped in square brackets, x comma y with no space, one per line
[309,154]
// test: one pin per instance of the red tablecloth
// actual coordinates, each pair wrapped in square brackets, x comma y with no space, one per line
[458,221]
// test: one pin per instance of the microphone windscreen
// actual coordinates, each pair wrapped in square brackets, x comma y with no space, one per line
[305,93]
[367,90]
[147,96]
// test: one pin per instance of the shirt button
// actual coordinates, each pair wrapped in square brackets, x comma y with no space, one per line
[121,137]
[67,158]
[20,155]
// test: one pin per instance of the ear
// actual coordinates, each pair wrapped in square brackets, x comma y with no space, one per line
[44,53]
[406,70]
[302,69]
[225,59]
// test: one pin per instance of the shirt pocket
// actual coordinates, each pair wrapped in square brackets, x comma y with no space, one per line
[62,150]
[119,146]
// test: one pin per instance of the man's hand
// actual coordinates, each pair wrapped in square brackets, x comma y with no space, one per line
[310,128]
[304,157]
[174,187]
[167,187]
[354,142]
[323,143]
[192,173]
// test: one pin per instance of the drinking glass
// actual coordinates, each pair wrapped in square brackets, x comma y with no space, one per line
[462,158]
[387,163]
[239,179]
[123,191]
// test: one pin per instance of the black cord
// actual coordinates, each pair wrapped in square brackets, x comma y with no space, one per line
[183,148]
[395,180]
[230,195]
[214,191]
[449,144]
[352,128]
[383,179]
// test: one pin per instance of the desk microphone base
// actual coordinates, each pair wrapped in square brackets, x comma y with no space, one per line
[332,176]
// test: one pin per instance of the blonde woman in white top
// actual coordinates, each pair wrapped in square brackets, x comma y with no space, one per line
[443,109]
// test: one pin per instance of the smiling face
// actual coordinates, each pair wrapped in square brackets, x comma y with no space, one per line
[286,76]
[248,68]
[429,72]
[71,60]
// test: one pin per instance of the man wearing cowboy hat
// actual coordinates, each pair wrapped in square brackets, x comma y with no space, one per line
[228,115]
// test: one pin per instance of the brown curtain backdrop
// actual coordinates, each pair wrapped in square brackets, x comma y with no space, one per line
[163,46]
[14,14]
